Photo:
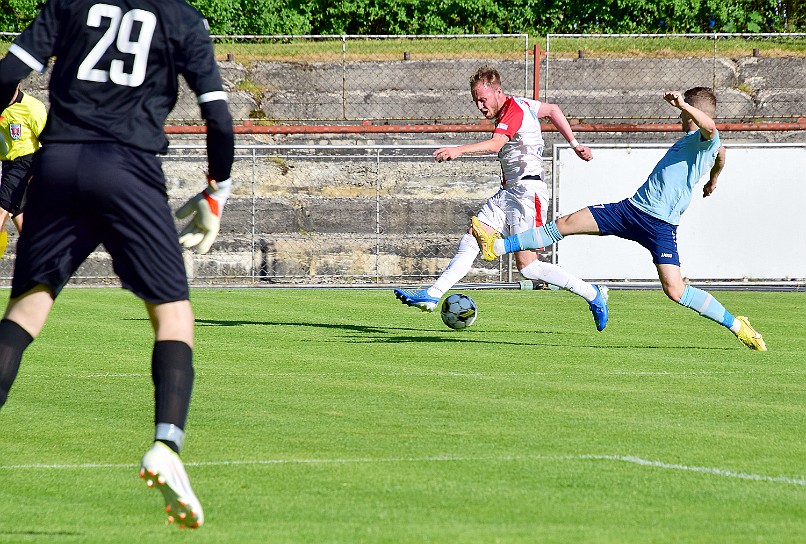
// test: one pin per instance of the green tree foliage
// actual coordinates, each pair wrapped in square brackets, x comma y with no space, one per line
[407,17]
[475,16]
[16,14]
[511,16]
[649,16]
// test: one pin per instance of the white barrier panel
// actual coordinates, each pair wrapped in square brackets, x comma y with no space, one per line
[752,227]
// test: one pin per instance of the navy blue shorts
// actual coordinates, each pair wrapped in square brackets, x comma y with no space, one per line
[14,184]
[86,194]
[626,221]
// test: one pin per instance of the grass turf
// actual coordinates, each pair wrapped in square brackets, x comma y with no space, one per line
[343,416]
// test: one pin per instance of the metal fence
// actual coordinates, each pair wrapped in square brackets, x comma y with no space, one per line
[276,81]
[344,78]
[615,78]
[372,213]
[349,79]
[327,214]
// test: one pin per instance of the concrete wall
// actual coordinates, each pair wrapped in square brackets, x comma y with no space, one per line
[354,218]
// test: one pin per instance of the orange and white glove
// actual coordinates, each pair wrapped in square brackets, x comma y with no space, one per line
[207,207]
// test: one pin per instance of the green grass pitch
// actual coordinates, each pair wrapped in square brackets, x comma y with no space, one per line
[342,416]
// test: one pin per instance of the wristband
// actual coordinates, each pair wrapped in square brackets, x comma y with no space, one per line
[222,189]
[573,143]
[216,198]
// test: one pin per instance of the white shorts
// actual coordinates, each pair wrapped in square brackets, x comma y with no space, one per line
[517,208]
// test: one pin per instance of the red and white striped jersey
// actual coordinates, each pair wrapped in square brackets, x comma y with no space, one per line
[522,155]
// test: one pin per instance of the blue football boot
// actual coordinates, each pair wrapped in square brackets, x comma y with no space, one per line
[418,298]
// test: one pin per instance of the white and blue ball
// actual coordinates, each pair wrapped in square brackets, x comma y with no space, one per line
[458,311]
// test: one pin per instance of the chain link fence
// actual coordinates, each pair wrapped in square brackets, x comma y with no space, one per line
[348,79]
[343,79]
[609,78]
[327,214]
[374,210]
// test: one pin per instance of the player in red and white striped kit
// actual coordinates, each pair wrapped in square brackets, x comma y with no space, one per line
[522,201]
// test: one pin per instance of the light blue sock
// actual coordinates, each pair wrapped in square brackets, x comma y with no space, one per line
[533,238]
[706,305]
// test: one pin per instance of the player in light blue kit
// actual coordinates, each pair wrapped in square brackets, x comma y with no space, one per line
[650,217]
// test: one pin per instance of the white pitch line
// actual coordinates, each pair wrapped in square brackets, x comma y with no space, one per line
[448,458]
[414,374]
[704,470]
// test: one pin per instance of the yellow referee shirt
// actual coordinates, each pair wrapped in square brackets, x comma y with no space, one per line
[20,126]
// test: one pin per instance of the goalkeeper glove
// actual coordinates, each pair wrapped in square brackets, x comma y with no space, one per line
[201,231]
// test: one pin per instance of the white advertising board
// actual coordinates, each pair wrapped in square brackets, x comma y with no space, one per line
[752,227]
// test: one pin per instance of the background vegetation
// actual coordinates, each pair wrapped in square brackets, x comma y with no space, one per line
[476,16]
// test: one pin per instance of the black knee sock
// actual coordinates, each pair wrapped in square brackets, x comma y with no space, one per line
[13,341]
[172,372]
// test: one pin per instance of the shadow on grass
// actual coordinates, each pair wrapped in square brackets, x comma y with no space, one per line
[390,335]
[33,533]
[365,329]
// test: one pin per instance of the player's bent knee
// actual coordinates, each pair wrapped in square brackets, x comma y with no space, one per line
[172,321]
[675,293]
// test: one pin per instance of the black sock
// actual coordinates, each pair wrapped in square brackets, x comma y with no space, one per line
[172,372]
[13,341]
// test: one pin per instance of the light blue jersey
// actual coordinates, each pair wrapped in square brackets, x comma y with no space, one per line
[667,191]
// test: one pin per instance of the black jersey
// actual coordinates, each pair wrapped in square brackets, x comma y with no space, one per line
[114,77]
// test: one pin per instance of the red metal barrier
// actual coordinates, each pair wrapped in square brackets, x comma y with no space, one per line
[536,86]
[368,128]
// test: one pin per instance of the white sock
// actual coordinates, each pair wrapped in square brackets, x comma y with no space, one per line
[499,247]
[458,267]
[553,274]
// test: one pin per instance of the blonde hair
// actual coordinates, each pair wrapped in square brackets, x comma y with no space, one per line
[487,76]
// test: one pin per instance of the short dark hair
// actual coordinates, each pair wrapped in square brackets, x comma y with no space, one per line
[486,76]
[701,98]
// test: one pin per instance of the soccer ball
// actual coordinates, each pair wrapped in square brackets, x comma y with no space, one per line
[458,311]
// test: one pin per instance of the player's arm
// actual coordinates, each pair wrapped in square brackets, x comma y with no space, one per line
[220,137]
[493,145]
[554,114]
[719,164]
[208,206]
[197,64]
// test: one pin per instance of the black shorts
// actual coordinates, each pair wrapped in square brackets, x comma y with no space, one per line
[14,184]
[86,194]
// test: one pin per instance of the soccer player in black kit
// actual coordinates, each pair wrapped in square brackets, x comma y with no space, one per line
[99,181]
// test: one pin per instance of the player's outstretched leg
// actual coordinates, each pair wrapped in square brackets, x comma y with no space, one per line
[749,336]
[599,307]
[417,298]
[161,468]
